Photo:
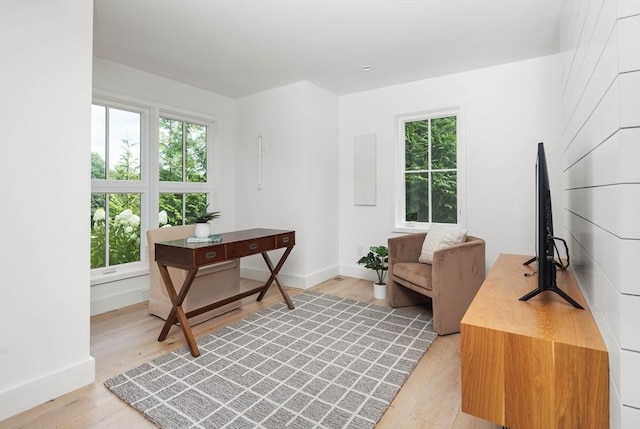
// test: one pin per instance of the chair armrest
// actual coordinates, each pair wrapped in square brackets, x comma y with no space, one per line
[458,273]
[464,261]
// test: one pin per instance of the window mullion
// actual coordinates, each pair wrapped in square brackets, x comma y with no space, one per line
[429,168]
[107,154]
[107,227]
[184,151]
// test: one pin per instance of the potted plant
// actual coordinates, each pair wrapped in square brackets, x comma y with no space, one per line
[376,260]
[201,219]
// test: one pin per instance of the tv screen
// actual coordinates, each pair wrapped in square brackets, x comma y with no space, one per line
[545,240]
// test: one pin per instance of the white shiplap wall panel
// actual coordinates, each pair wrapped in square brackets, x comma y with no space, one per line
[630,364]
[600,293]
[584,58]
[600,124]
[621,149]
[628,8]
[617,258]
[596,75]
[575,12]
[629,322]
[631,417]
[629,161]
[602,184]
[629,88]
[628,51]
[616,208]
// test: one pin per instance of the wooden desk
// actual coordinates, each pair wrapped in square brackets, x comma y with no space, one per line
[535,364]
[192,256]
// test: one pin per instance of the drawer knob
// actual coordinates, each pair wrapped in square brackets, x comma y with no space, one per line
[210,255]
[285,239]
[253,246]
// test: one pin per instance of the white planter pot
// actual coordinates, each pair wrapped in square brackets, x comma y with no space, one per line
[203,230]
[379,291]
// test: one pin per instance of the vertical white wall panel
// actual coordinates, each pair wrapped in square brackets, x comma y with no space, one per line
[45,106]
[364,170]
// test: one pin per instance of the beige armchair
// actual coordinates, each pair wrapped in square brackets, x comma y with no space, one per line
[212,283]
[450,283]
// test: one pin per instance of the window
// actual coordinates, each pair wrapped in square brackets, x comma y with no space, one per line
[139,183]
[429,190]
[182,170]
[117,189]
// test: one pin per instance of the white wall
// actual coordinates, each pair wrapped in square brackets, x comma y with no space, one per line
[506,110]
[601,163]
[45,107]
[299,128]
[119,81]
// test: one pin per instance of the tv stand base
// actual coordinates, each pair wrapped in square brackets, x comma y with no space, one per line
[555,289]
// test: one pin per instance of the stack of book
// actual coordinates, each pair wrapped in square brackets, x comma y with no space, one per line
[215,238]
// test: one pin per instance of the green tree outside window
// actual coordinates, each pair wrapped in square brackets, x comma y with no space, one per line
[431,170]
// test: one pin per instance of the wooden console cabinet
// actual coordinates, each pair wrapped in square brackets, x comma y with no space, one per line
[534,364]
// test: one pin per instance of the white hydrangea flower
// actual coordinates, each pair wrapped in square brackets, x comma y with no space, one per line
[162,217]
[134,220]
[99,214]
[128,229]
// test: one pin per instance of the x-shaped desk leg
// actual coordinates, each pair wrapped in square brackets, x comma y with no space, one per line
[274,276]
[176,311]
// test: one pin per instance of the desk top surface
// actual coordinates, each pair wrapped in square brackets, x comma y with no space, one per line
[229,237]
[546,316]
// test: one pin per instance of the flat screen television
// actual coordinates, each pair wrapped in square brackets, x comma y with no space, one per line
[546,248]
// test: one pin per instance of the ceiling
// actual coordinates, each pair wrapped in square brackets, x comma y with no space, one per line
[239,47]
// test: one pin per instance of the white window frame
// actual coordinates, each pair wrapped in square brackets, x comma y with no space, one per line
[207,187]
[401,225]
[106,186]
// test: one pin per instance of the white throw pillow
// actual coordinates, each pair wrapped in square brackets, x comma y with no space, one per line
[440,238]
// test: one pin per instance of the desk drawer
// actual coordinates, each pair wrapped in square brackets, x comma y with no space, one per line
[209,255]
[286,240]
[250,247]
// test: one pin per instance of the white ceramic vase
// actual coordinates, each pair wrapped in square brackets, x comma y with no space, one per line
[203,230]
[379,291]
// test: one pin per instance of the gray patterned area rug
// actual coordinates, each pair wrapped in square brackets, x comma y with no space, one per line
[330,363]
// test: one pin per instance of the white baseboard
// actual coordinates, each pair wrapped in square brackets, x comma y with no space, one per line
[111,296]
[301,282]
[121,293]
[35,392]
[358,272]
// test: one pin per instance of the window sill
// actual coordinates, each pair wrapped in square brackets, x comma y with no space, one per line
[408,230]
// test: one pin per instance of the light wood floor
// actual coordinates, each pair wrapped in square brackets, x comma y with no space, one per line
[126,338]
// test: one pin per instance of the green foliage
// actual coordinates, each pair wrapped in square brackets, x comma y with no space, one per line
[376,260]
[124,238]
[128,166]
[182,207]
[183,151]
[98,166]
[420,169]
[123,226]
